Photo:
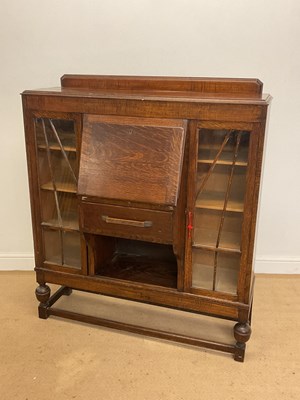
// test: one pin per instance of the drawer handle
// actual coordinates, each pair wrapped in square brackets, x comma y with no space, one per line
[129,222]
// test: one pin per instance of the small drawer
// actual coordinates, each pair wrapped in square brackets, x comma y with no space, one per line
[126,222]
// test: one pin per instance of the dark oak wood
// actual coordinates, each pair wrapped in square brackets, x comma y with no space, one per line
[251,87]
[45,305]
[127,222]
[145,293]
[131,159]
[211,109]
[42,293]
[149,195]
[249,276]
[242,333]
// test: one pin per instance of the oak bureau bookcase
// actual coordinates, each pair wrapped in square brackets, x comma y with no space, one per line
[146,189]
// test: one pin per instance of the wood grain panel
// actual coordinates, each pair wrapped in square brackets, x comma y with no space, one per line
[159,230]
[203,85]
[138,162]
[146,293]
[214,109]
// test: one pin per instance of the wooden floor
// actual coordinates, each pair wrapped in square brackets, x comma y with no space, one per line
[59,359]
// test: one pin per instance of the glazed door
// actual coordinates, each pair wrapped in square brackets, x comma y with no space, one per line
[219,209]
[57,154]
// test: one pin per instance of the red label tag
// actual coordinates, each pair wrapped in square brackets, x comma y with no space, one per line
[190,224]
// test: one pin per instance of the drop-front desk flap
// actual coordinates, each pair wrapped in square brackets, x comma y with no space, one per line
[131,159]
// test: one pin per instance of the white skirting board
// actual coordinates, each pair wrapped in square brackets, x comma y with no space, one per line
[263,265]
[284,265]
[16,261]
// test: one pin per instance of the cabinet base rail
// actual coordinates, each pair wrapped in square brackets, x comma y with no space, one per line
[45,309]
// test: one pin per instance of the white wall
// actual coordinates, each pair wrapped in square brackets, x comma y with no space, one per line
[42,40]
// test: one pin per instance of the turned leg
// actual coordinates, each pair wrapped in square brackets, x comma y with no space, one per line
[42,293]
[242,333]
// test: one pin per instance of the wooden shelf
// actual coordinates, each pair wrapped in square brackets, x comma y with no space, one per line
[67,140]
[215,201]
[206,238]
[66,187]
[205,157]
[56,147]
[215,249]
[70,223]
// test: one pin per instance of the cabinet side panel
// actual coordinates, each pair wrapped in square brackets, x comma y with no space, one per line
[33,182]
[247,279]
[191,182]
[247,239]
[179,226]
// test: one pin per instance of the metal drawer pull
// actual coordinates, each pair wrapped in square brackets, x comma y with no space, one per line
[129,222]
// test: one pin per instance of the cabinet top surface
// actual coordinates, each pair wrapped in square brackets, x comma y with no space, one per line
[171,89]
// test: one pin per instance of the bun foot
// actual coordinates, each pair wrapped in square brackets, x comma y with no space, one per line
[42,293]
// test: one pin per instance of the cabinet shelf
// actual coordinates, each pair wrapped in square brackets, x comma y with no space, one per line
[213,248]
[206,239]
[215,201]
[56,147]
[69,224]
[205,157]
[67,138]
[66,187]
